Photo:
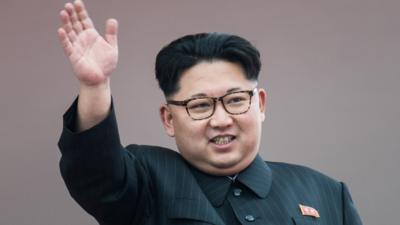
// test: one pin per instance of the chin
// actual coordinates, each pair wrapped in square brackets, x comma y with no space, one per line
[226,163]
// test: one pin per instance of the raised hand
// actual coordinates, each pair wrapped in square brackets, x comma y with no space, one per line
[93,57]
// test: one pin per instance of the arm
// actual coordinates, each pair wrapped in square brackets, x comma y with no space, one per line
[93,59]
[108,181]
[350,214]
[104,178]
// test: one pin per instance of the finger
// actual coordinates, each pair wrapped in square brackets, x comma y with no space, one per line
[65,20]
[66,44]
[83,15]
[112,32]
[76,24]
[67,26]
[72,36]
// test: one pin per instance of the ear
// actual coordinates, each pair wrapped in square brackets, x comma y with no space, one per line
[167,120]
[262,101]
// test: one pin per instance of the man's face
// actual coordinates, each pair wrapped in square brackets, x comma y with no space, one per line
[196,139]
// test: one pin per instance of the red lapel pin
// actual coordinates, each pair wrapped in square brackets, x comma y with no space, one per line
[308,211]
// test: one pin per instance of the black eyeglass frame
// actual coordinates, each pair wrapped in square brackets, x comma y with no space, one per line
[215,99]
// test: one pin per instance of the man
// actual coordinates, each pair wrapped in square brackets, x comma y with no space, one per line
[214,110]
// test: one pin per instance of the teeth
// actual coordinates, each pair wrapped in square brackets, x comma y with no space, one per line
[221,140]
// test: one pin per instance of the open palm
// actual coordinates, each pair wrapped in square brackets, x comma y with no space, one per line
[93,57]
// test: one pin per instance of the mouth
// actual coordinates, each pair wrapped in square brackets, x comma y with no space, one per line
[222,139]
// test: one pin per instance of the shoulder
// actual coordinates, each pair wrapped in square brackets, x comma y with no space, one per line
[297,170]
[150,150]
[156,156]
[299,175]
[153,153]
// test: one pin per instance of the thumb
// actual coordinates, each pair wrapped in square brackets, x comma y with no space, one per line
[112,32]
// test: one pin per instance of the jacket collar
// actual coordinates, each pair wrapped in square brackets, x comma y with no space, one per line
[214,187]
[189,200]
[257,177]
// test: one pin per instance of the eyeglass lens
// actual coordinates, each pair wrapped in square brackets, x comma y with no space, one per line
[235,103]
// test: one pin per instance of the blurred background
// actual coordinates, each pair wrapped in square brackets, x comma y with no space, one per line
[331,70]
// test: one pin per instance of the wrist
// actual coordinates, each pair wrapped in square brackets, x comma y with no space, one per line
[93,88]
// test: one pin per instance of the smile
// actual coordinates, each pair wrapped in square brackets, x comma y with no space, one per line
[222,140]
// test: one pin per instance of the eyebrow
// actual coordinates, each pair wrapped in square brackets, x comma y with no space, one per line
[204,95]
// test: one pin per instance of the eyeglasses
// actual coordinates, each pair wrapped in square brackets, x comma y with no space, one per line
[200,108]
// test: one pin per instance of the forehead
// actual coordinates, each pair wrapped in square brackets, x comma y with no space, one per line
[212,78]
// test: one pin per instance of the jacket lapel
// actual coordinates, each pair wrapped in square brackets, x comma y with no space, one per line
[190,202]
[194,209]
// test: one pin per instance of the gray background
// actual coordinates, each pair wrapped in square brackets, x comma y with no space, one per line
[331,69]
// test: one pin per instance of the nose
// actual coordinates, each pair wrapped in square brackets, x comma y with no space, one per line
[220,118]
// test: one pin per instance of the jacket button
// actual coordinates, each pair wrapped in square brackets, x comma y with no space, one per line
[237,192]
[249,218]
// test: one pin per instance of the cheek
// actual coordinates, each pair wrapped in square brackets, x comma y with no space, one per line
[189,133]
[248,122]
[191,141]
[250,128]
[192,129]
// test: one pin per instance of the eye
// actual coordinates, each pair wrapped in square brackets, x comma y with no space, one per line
[199,105]
[235,100]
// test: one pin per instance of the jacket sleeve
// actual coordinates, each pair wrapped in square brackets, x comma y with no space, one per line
[100,174]
[350,214]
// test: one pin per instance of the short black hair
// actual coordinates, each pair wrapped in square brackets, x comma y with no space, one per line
[189,50]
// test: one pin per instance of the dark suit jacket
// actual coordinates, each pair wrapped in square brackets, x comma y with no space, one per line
[154,185]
